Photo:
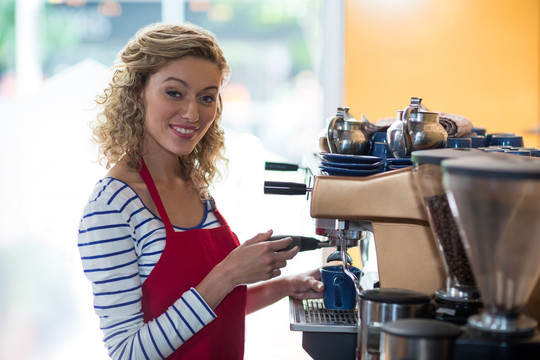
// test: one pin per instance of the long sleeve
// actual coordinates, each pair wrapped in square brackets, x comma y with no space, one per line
[120,241]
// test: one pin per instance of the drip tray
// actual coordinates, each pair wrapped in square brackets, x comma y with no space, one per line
[311,315]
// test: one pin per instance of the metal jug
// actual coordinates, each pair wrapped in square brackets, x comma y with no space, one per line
[346,135]
[415,129]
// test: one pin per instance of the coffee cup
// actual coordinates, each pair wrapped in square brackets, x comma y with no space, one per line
[381,149]
[459,143]
[509,140]
[339,289]
[379,136]
[477,141]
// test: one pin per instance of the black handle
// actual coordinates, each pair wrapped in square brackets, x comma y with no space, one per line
[284,188]
[303,242]
[280,166]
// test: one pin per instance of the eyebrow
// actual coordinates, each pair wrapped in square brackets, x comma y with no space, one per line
[186,84]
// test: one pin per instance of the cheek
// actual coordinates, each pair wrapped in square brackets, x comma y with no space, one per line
[208,126]
[159,111]
[207,114]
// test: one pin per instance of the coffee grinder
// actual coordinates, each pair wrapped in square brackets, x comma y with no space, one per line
[495,199]
[460,297]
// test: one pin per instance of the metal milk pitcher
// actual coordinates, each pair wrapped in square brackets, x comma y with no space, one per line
[346,135]
[416,129]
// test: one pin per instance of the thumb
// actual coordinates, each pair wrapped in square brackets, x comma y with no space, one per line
[318,286]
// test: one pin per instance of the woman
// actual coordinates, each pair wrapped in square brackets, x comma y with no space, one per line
[168,275]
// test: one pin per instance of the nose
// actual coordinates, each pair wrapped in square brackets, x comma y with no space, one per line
[191,111]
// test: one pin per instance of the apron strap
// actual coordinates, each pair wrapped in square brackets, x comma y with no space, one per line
[145,174]
[216,212]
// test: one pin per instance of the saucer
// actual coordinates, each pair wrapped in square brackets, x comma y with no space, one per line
[352,166]
[348,172]
[396,167]
[346,158]
[399,161]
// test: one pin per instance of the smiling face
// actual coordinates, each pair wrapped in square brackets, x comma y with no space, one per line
[180,103]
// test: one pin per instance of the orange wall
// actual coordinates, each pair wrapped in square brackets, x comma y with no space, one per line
[479,59]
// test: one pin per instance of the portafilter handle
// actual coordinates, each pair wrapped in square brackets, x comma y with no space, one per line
[304,243]
[285,188]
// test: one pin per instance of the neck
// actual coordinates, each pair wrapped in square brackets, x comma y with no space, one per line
[164,169]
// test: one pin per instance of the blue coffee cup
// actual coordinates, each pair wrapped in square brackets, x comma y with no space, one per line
[381,149]
[490,136]
[379,136]
[477,141]
[459,143]
[508,140]
[339,290]
[480,131]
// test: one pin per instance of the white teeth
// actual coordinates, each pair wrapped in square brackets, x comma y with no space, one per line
[183,131]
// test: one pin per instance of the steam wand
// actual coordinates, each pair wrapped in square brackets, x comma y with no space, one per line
[343,250]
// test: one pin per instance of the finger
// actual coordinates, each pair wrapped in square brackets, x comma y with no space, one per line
[276,273]
[307,295]
[280,264]
[260,237]
[280,244]
[287,255]
[317,286]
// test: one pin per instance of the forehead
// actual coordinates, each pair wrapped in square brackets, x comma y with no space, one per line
[191,70]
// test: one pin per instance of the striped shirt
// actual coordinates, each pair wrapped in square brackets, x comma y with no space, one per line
[120,241]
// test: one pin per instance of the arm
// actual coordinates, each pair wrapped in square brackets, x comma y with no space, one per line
[110,254]
[301,286]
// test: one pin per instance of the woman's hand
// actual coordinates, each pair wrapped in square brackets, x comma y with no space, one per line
[301,286]
[254,260]
[257,259]
[306,285]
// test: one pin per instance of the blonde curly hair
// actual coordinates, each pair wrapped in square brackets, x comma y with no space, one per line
[119,128]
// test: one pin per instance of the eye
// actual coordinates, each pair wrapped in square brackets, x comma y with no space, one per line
[173,93]
[207,99]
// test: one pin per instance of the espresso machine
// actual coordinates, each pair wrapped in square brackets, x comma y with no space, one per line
[495,199]
[346,210]
[390,208]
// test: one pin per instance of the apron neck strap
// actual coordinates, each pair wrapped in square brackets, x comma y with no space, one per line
[145,174]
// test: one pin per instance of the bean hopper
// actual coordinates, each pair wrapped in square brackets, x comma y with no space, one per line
[495,199]
[460,297]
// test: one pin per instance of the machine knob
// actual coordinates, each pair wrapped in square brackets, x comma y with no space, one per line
[280,166]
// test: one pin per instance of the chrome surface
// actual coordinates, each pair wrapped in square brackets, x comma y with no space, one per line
[347,135]
[416,129]
[374,315]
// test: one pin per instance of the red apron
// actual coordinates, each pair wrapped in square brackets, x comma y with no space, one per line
[187,258]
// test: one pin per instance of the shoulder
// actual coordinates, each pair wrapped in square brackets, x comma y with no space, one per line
[118,186]
[113,198]
[114,210]
[110,192]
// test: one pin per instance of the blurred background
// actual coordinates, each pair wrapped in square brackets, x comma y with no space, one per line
[54,59]
[293,63]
